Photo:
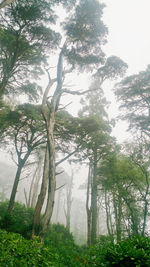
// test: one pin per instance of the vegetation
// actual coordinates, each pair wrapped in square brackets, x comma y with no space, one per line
[40,52]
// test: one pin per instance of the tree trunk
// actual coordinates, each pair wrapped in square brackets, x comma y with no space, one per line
[36,185]
[21,163]
[146,203]
[107,214]
[48,111]
[42,195]
[117,211]
[94,201]
[52,174]
[88,210]
[69,202]
[15,186]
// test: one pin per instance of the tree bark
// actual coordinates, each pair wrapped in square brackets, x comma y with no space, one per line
[94,201]
[15,186]
[6,3]
[52,175]
[107,214]
[88,210]
[42,195]
[21,163]
[69,202]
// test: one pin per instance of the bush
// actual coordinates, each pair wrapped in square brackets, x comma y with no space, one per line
[59,238]
[19,221]
[129,252]
[17,251]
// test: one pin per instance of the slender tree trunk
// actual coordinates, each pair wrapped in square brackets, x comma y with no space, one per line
[15,186]
[117,210]
[52,174]
[94,201]
[69,202]
[42,195]
[58,205]
[146,203]
[16,181]
[134,218]
[107,214]
[88,210]
[145,216]
[36,185]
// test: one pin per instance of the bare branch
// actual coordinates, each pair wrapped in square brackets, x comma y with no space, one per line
[6,3]
[57,173]
[65,106]
[77,92]
[60,187]
[68,156]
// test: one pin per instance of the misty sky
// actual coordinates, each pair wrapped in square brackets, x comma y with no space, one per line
[128,22]
[128,25]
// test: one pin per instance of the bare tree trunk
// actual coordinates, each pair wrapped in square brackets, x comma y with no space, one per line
[36,184]
[69,202]
[52,175]
[117,211]
[42,195]
[94,201]
[16,181]
[107,214]
[146,203]
[88,210]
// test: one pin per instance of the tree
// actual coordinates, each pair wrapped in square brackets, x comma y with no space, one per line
[125,182]
[84,32]
[134,94]
[68,202]
[24,41]
[24,127]
[100,143]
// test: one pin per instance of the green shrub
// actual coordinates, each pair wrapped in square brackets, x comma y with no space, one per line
[15,251]
[129,252]
[59,238]
[19,221]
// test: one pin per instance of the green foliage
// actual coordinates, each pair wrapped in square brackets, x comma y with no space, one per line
[134,95]
[86,32]
[129,252]
[59,238]
[17,251]
[19,221]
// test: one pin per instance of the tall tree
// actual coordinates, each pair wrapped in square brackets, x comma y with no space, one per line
[84,32]
[100,141]
[24,128]
[25,37]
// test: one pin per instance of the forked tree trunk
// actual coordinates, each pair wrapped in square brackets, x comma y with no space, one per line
[35,187]
[52,175]
[42,195]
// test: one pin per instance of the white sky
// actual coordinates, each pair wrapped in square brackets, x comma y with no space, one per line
[128,22]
